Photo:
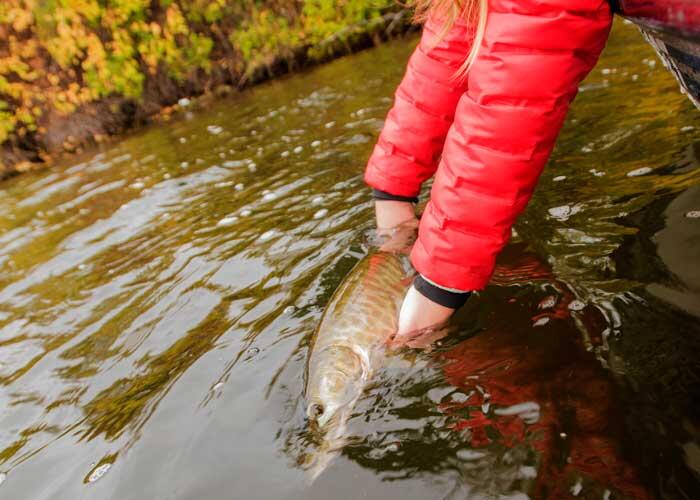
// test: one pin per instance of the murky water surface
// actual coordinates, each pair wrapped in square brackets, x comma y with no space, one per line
[157,300]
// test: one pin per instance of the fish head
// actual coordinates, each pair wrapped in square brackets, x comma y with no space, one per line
[335,385]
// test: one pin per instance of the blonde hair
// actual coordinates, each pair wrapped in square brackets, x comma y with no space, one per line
[474,12]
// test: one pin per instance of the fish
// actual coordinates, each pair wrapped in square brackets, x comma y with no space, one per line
[347,348]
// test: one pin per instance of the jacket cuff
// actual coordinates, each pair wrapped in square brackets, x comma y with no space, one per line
[378,194]
[447,298]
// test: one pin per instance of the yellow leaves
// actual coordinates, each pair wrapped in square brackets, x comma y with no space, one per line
[89,9]
[53,79]
[98,48]
[174,20]
[20,19]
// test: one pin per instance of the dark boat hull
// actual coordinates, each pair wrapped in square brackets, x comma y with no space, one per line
[673,29]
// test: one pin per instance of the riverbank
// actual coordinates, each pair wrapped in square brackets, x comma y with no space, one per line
[71,79]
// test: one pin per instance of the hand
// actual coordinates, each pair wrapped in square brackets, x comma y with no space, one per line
[420,319]
[394,213]
[396,225]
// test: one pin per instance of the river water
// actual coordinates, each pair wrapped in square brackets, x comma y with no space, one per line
[157,299]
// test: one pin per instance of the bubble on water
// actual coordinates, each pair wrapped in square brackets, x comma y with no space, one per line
[605,71]
[239,187]
[267,235]
[559,178]
[577,488]
[639,171]
[184,164]
[199,161]
[284,154]
[289,309]
[321,213]
[214,129]
[527,472]
[227,221]
[597,173]
[329,124]
[182,140]
[548,302]
[316,200]
[99,471]
[253,132]
[564,212]
[223,184]
[635,77]
[460,397]
[392,447]
[166,176]
[315,144]
[693,214]
[541,322]
[137,185]
[183,102]
[246,212]
[252,167]
[222,155]
[298,149]
[586,149]
[687,128]
[269,196]
[468,455]
[576,305]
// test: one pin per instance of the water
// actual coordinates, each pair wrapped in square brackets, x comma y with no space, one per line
[157,299]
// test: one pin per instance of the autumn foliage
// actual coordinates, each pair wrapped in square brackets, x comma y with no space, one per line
[58,57]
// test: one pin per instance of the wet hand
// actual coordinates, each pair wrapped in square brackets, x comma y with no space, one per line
[396,225]
[391,214]
[420,321]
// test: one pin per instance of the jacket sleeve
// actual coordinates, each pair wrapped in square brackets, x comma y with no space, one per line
[532,58]
[409,146]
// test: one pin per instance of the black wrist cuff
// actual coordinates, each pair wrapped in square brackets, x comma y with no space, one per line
[383,195]
[453,300]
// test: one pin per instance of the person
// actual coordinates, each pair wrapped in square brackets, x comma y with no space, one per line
[480,106]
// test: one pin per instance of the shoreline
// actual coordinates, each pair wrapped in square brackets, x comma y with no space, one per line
[108,119]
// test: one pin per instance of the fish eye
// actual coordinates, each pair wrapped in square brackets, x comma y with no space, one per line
[317,410]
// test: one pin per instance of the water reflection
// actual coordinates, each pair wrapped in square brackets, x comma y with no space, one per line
[157,300]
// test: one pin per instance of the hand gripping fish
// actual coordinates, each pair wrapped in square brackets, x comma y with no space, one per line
[347,348]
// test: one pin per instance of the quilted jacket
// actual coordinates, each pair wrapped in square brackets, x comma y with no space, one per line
[485,137]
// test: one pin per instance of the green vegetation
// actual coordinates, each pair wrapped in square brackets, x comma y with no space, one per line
[57,56]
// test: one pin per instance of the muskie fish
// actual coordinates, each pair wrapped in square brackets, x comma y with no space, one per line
[346,348]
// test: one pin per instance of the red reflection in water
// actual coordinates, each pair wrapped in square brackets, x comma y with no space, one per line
[579,430]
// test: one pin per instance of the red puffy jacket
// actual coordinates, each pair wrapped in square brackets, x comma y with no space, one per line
[488,138]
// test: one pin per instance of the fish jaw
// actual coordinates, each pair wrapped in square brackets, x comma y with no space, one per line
[331,442]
